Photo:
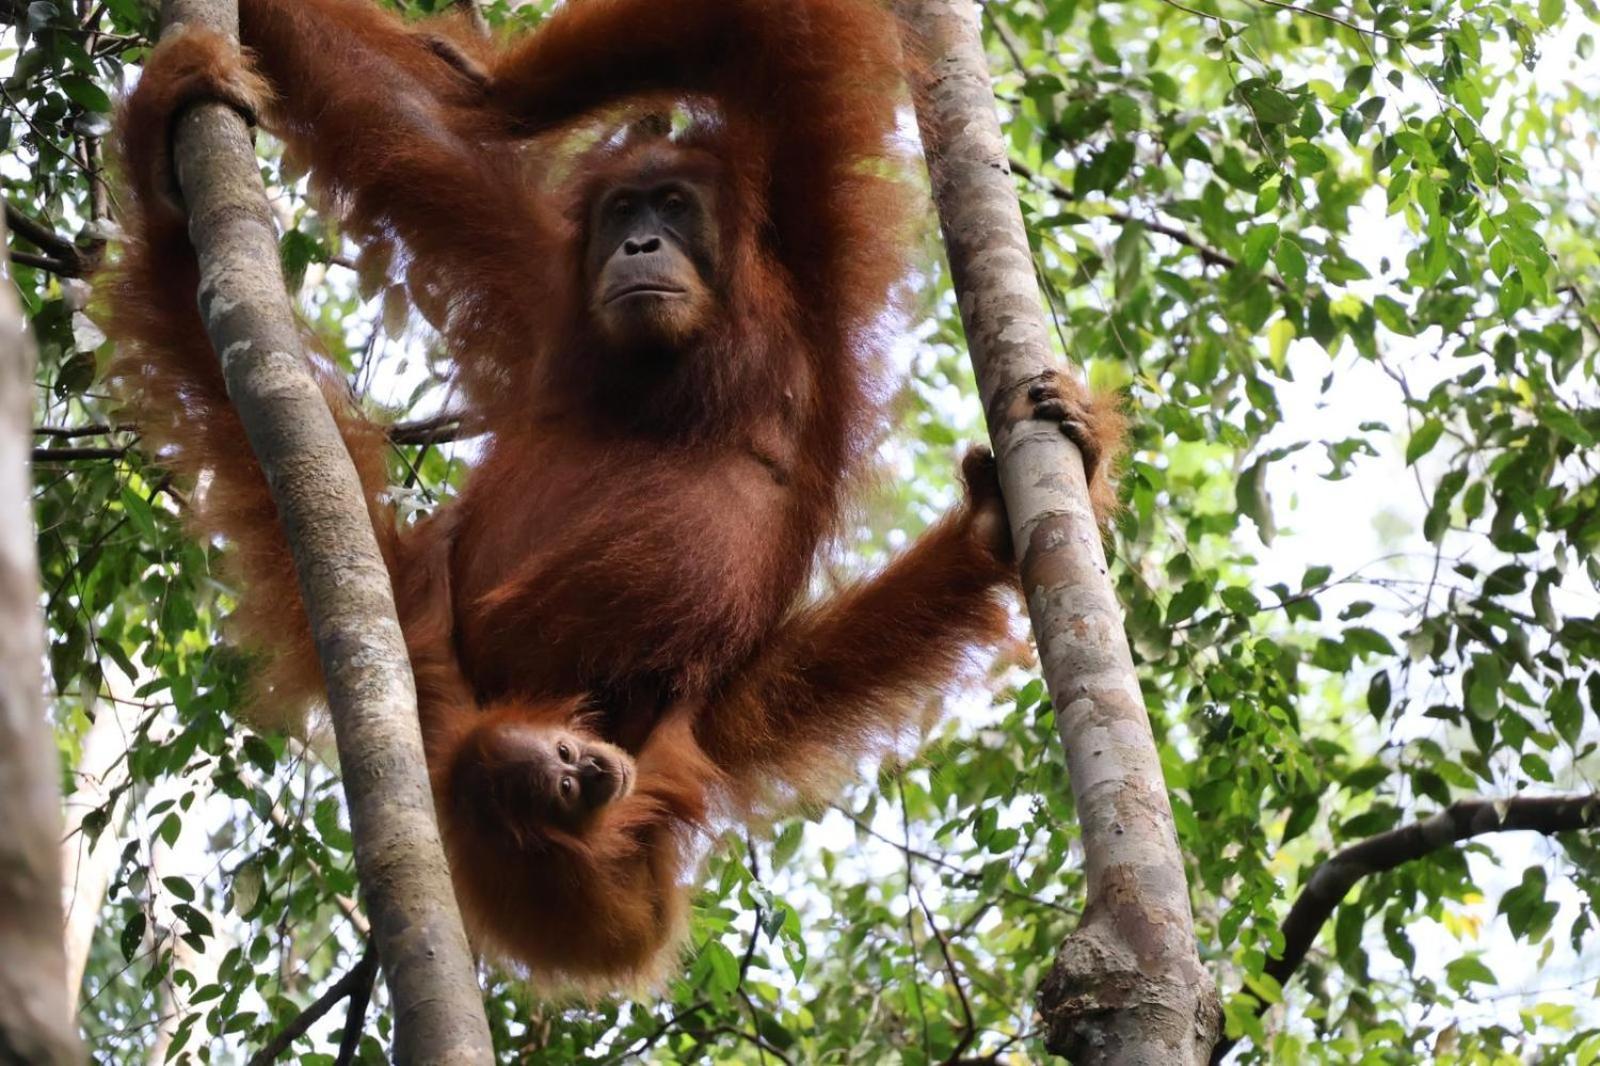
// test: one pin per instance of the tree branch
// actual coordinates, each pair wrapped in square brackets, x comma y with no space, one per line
[1330,882]
[46,239]
[969,1025]
[344,584]
[474,11]
[1208,255]
[59,267]
[1128,985]
[36,1022]
[61,256]
[358,977]
[1326,16]
[961,873]
[355,1017]
[46,456]
[440,429]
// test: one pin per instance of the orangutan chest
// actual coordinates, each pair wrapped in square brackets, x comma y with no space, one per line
[600,573]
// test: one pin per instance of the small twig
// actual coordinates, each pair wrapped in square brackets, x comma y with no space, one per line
[1346,23]
[353,981]
[969,1026]
[1208,255]
[649,1039]
[1331,881]
[91,429]
[1199,14]
[92,19]
[750,947]
[440,429]
[46,456]
[99,192]
[474,15]
[61,268]
[60,255]
[945,864]
[756,1039]
[355,1018]
[40,134]
[1007,41]
[1582,304]
[37,233]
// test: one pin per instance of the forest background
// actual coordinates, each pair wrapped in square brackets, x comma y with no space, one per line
[1340,259]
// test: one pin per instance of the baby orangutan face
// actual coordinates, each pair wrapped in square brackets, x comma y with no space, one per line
[543,774]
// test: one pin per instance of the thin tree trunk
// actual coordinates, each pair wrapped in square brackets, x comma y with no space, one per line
[1127,987]
[86,866]
[427,965]
[35,1013]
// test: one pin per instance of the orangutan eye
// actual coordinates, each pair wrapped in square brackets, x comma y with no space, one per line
[566,786]
[564,752]
[622,207]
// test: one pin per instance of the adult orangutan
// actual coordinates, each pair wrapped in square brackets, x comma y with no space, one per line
[670,336]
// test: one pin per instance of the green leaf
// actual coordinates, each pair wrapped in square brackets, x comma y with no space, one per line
[1105,169]
[193,918]
[1302,816]
[179,887]
[1566,711]
[1393,315]
[1566,424]
[1239,600]
[722,968]
[1291,261]
[1528,913]
[1379,694]
[1269,105]
[1279,335]
[1308,158]
[1467,971]
[1100,43]
[86,93]
[1187,601]
[1252,500]
[1422,441]
[1379,819]
[1510,296]
[1258,244]
[132,935]
[1482,686]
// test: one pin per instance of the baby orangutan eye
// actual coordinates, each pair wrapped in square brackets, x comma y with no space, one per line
[564,751]
[566,786]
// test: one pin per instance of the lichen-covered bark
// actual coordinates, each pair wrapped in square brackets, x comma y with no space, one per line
[36,1017]
[406,886]
[1127,986]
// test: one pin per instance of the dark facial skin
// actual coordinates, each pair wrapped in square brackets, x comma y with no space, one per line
[650,260]
[554,775]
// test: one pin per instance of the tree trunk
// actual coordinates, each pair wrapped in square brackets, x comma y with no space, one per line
[439,1014]
[1127,987]
[86,867]
[36,1018]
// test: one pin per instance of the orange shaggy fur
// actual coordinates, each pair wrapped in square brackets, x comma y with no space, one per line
[629,560]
